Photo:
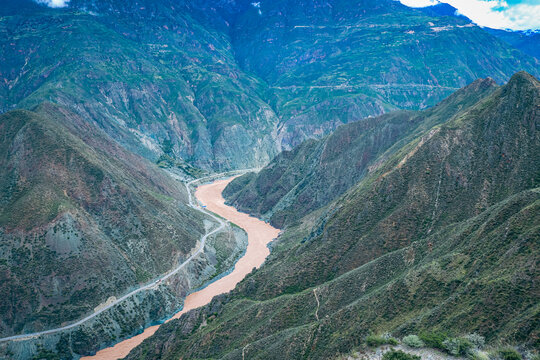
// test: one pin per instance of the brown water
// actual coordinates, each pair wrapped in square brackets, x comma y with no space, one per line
[259,235]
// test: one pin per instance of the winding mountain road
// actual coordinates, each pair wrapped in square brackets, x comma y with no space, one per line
[221,226]
[259,235]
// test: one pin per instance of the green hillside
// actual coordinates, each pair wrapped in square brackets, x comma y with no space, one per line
[399,150]
[332,62]
[441,236]
[156,84]
[81,219]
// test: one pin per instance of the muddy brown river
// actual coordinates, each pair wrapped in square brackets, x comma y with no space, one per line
[259,235]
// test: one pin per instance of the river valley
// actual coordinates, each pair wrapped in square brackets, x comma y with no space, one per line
[260,234]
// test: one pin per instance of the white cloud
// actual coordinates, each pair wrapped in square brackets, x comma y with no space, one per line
[54,3]
[419,3]
[498,14]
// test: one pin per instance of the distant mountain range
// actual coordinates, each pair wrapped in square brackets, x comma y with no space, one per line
[526,41]
[203,82]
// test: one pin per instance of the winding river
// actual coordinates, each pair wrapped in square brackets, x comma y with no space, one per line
[259,235]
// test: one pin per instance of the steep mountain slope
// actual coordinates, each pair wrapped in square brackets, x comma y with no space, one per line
[220,85]
[329,62]
[147,72]
[443,235]
[83,220]
[298,182]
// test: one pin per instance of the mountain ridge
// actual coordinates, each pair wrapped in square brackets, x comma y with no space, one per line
[460,260]
[385,132]
[181,79]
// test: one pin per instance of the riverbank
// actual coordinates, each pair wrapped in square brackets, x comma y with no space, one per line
[260,234]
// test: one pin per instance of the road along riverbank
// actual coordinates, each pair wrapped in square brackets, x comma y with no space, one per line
[260,234]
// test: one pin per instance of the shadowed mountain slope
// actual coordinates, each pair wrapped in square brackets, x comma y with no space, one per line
[527,42]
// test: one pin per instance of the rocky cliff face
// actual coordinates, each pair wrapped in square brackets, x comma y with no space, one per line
[229,84]
[440,236]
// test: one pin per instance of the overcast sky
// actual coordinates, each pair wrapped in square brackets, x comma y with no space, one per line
[497,14]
